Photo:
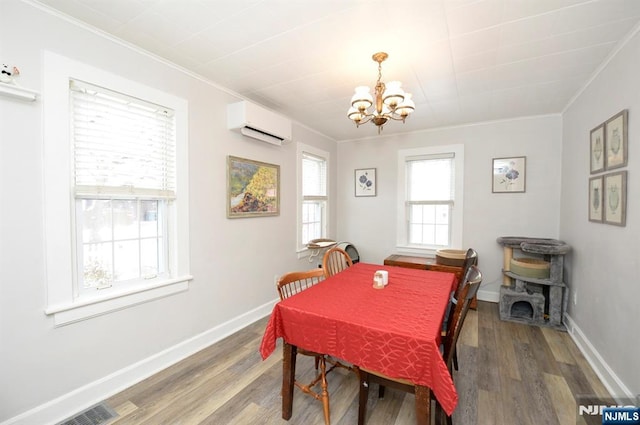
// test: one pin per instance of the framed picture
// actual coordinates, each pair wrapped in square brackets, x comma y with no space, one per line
[595,199]
[615,198]
[616,137]
[597,149]
[365,182]
[253,188]
[509,174]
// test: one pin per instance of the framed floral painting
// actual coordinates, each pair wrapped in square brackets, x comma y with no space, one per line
[365,182]
[509,174]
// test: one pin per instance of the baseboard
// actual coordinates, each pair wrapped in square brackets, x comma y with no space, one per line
[612,383]
[490,296]
[76,401]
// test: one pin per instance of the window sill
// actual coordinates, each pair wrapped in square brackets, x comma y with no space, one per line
[87,308]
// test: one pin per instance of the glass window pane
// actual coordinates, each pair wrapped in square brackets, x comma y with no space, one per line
[125,219]
[311,220]
[149,218]
[126,258]
[95,216]
[429,224]
[441,235]
[441,214]
[149,250]
[415,234]
[98,267]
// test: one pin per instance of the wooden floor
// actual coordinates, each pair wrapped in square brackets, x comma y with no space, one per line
[510,374]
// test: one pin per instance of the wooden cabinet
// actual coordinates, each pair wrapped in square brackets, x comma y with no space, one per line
[424,263]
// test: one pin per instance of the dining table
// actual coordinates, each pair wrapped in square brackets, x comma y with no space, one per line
[394,330]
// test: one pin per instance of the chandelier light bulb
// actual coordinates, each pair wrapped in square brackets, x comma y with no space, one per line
[394,94]
[355,115]
[362,98]
[407,106]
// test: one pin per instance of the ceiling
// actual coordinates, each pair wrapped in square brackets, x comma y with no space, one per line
[464,61]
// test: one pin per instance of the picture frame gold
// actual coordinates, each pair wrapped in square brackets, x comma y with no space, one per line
[253,188]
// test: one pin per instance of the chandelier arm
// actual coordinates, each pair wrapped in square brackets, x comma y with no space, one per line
[366,119]
[396,117]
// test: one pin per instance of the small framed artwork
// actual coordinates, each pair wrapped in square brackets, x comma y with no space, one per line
[509,174]
[616,137]
[365,182]
[595,199]
[615,198]
[597,149]
[253,188]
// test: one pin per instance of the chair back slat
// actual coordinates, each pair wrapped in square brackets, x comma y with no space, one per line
[457,315]
[335,260]
[292,283]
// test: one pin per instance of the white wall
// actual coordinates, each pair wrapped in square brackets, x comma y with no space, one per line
[370,222]
[605,264]
[47,373]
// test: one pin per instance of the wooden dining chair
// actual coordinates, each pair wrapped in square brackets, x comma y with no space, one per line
[470,259]
[289,285]
[335,260]
[469,290]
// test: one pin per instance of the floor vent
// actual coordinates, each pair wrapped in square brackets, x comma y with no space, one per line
[98,414]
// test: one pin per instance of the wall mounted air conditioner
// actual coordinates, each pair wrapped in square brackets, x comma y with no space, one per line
[259,123]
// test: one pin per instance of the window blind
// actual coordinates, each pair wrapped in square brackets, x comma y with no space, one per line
[314,176]
[431,178]
[123,146]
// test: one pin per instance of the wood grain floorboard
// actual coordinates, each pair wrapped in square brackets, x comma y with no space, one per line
[542,351]
[534,385]
[488,377]
[510,374]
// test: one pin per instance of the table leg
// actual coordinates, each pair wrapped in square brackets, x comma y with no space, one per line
[423,405]
[288,378]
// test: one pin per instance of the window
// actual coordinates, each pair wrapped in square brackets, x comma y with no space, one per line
[430,210]
[116,191]
[312,222]
[124,184]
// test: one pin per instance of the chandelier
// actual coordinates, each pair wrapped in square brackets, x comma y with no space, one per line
[391,102]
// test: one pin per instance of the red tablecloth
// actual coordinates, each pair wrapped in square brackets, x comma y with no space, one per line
[395,330]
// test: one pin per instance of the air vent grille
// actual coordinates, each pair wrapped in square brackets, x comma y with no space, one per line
[95,415]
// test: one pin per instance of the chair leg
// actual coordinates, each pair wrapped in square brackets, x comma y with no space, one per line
[441,416]
[364,397]
[380,391]
[325,392]
[455,358]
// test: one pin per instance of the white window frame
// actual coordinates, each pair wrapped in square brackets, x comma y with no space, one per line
[301,149]
[402,231]
[63,303]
